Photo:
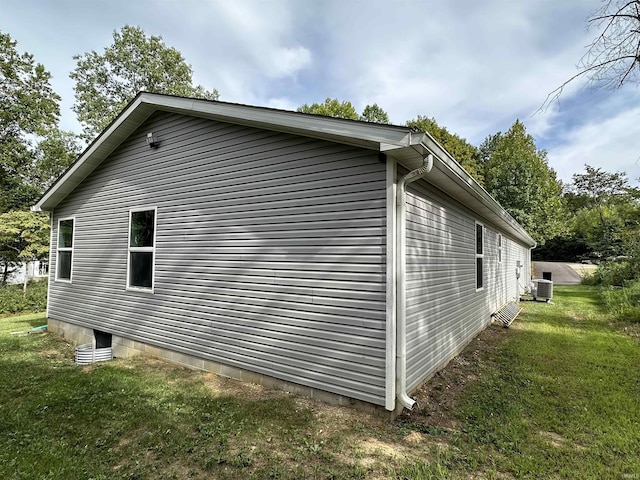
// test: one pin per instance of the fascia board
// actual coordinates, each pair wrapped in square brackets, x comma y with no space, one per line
[349,132]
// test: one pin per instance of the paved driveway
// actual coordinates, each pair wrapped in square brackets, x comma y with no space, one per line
[561,273]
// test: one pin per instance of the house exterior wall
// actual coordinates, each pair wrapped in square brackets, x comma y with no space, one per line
[270,252]
[444,308]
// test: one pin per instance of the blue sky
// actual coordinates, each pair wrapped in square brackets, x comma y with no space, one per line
[475,66]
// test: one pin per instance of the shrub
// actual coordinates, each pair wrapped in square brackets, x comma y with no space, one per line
[12,299]
[614,274]
[624,302]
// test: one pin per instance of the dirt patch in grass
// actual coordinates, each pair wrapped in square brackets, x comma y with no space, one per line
[558,441]
[437,398]
[631,329]
[554,439]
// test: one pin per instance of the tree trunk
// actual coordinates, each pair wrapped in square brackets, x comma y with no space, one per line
[26,278]
[5,273]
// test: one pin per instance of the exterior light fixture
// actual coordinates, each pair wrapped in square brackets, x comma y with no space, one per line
[152,140]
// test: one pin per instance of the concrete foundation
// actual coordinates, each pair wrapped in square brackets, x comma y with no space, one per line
[124,347]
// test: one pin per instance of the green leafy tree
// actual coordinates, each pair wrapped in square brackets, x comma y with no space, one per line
[24,237]
[603,220]
[598,187]
[462,151]
[487,147]
[28,110]
[518,175]
[105,83]
[374,114]
[53,155]
[332,107]
[605,207]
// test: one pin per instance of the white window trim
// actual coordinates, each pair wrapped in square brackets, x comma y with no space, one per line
[479,255]
[142,249]
[65,249]
[500,251]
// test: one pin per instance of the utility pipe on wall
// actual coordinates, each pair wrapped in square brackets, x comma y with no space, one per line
[401,252]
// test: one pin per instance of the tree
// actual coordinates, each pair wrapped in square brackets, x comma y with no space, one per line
[613,58]
[28,110]
[374,114]
[53,155]
[466,154]
[332,107]
[602,201]
[105,83]
[603,220]
[598,187]
[487,147]
[518,176]
[24,237]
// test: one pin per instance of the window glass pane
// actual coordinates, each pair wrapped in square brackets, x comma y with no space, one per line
[479,239]
[64,265]
[142,226]
[65,235]
[140,269]
[479,274]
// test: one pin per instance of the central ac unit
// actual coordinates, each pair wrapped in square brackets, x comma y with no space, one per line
[542,289]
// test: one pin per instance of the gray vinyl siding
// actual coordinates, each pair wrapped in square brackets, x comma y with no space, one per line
[502,282]
[444,309]
[270,252]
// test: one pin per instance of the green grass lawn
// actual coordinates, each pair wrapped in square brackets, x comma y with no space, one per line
[560,397]
[557,395]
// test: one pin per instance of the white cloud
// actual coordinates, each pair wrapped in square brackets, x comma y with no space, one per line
[543,121]
[474,66]
[612,144]
[286,62]
[252,46]
[281,103]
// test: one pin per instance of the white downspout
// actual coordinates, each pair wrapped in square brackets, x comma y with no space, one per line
[401,252]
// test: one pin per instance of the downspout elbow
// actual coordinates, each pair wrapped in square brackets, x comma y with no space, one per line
[413,175]
[406,401]
[427,165]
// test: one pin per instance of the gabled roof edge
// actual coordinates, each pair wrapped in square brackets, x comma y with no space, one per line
[99,148]
[356,133]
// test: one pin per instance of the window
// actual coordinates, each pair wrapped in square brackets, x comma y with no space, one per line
[142,233]
[65,249]
[499,248]
[479,256]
